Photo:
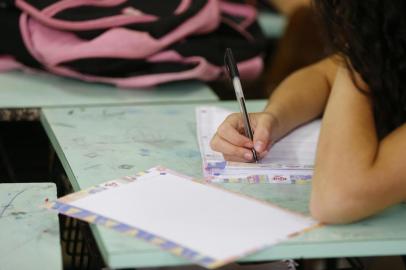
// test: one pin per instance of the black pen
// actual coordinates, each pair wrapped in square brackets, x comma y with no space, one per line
[232,69]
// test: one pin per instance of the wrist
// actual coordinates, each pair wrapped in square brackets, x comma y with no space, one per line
[275,123]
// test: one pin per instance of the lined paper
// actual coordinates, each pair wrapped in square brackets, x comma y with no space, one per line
[293,155]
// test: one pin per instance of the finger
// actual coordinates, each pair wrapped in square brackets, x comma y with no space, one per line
[226,148]
[231,134]
[233,158]
[263,154]
[262,134]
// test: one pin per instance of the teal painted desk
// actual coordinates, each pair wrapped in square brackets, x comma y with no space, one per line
[99,144]
[29,233]
[272,24]
[30,92]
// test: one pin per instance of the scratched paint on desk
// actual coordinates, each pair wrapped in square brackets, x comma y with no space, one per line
[108,142]
[27,230]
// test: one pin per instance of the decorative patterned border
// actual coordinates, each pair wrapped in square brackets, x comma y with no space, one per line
[104,186]
[166,245]
[214,172]
[62,206]
[216,165]
[272,178]
[266,179]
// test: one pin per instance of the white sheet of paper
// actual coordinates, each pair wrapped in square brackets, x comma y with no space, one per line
[295,151]
[201,217]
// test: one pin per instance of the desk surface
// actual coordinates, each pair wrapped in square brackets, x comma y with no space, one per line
[19,90]
[272,24]
[99,144]
[29,233]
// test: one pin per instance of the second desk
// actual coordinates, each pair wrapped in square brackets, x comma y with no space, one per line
[22,95]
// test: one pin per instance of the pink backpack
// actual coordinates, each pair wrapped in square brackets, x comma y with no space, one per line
[133,43]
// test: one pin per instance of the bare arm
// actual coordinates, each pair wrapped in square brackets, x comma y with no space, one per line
[355,174]
[300,98]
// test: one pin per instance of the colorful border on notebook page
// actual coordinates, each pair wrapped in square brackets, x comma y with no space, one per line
[166,245]
[215,172]
[298,179]
[62,206]
[271,166]
[103,186]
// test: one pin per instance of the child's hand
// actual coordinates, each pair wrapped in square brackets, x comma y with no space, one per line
[230,137]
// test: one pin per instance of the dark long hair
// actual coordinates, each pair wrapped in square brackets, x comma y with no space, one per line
[371,35]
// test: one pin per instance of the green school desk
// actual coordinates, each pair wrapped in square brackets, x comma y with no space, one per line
[22,94]
[29,233]
[99,144]
[272,24]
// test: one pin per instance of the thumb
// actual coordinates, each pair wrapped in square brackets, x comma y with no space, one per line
[262,134]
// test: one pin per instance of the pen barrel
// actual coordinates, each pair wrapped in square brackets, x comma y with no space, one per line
[244,113]
[246,120]
[230,63]
[232,69]
[238,88]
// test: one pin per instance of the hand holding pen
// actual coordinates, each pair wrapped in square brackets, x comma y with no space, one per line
[232,69]
[249,146]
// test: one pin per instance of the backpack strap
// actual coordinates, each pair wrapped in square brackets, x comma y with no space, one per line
[13,43]
[246,13]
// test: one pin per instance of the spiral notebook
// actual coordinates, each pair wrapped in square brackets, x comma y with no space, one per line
[200,222]
[289,160]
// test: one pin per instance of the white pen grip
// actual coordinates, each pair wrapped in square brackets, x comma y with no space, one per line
[238,88]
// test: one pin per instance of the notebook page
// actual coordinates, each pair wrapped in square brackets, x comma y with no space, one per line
[298,147]
[296,151]
[208,118]
[205,219]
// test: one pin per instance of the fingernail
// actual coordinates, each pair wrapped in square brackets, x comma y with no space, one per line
[258,146]
[248,156]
